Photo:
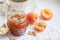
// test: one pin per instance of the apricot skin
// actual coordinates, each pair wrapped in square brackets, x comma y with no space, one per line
[31,17]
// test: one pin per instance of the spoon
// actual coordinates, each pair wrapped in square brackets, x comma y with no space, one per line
[4,30]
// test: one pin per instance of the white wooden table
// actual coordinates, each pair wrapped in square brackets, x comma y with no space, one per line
[52,31]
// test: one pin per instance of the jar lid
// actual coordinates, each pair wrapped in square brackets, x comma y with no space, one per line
[18,0]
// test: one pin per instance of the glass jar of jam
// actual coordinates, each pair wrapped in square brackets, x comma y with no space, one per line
[17,23]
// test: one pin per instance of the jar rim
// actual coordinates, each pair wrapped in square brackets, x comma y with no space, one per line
[18,2]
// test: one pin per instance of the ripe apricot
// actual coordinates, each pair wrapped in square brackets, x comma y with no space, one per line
[31,17]
[40,26]
[46,14]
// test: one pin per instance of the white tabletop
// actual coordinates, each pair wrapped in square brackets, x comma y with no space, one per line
[52,31]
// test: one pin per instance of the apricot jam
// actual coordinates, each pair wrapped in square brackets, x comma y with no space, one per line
[17,24]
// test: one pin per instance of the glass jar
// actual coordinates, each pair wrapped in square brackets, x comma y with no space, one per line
[18,5]
[2,15]
[21,5]
[17,23]
[2,7]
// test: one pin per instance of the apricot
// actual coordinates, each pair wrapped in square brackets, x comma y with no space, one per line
[40,26]
[46,14]
[31,17]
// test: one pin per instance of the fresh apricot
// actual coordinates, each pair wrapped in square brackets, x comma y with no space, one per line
[40,26]
[46,14]
[31,17]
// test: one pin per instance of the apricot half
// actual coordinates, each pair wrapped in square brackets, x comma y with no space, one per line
[31,17]
[40,26]
[46,14]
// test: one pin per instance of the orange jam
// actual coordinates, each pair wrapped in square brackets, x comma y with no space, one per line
[17,24]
